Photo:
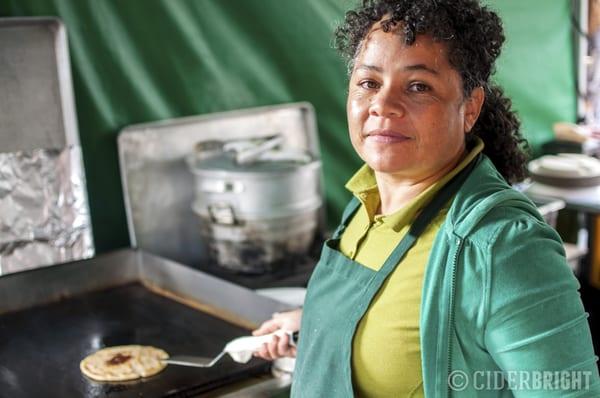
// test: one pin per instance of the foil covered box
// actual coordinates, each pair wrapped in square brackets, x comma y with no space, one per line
[44,212]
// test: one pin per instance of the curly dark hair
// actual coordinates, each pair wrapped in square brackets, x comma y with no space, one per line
[473,36]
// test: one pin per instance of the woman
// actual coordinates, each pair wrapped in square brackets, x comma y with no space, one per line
[440,280]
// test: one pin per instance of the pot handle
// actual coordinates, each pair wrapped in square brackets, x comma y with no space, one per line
[220,186]
[222,213]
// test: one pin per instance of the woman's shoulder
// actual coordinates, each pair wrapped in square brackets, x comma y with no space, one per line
[486,204]
[516,241]
[513,223]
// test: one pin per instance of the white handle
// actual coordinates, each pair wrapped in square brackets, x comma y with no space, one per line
[253,343]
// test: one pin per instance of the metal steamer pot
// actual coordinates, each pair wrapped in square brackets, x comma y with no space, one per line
[258,207]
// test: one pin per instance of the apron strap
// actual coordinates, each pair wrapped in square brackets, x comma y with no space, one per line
[426,216]
[349,211]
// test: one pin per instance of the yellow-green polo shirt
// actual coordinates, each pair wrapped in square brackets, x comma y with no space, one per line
[386,353]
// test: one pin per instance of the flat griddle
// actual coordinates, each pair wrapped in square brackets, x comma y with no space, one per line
[41,345]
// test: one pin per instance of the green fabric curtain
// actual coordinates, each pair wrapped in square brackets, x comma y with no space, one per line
[537,66]
[144,60]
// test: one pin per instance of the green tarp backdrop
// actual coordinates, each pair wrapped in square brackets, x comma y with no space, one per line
[137,61]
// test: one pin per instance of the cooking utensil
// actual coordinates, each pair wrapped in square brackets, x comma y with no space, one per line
[252,153]
[245,151]
[253,216]
[194,361]
[240,350]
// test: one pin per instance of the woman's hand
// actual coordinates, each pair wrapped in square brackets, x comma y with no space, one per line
[279,346]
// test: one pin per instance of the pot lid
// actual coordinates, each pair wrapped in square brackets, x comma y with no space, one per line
[269,162]
[247,156]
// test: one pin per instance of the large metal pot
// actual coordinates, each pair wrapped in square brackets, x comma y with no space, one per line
[255,214]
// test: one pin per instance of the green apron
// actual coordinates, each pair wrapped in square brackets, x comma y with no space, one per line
[338,295]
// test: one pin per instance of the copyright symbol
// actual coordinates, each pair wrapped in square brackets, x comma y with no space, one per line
[458,380]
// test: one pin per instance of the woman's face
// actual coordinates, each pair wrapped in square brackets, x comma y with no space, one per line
[406,112]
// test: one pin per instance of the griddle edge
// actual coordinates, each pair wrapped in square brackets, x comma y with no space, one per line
[45,285]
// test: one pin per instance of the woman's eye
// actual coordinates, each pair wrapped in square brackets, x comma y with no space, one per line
[419,87]
[369,84]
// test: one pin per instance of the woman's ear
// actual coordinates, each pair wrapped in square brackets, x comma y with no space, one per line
[473,106]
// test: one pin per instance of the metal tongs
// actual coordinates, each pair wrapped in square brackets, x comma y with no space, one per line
[247,152]
[239,349]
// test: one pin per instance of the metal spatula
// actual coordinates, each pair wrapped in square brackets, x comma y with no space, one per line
[190,360]
[250,344]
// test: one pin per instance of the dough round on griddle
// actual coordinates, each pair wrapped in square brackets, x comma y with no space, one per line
[125,362]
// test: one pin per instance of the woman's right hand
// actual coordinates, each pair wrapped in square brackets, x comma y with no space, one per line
[279,346]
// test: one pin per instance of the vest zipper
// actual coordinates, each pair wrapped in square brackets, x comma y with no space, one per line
[459,242]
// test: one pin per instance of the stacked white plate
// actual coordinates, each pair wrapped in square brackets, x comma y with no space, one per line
[566,170]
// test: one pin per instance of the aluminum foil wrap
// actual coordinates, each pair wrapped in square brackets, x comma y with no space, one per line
[44,213]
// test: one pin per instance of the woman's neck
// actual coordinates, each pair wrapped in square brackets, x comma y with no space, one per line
[397,191]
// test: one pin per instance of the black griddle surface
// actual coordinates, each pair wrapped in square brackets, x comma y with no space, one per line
[40,348]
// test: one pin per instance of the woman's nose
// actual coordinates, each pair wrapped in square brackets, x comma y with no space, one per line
[386,104]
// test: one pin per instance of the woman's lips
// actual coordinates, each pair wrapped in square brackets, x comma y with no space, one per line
[385,136]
